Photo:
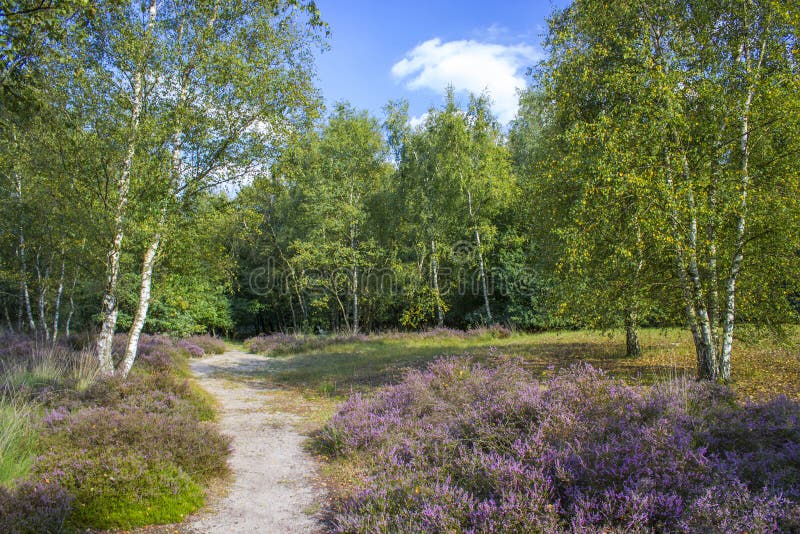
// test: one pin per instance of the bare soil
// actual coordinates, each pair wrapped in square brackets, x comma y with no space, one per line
[273,486]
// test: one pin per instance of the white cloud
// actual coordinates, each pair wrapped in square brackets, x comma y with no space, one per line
[469,66]
[413,122]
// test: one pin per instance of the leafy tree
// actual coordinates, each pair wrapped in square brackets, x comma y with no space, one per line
[334,172]
[680,122]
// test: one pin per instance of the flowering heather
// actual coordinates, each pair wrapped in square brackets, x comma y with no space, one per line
[190,348]
[209,344]
[117,452]
[33,508]
[15,345]
[460,447]
[288,344]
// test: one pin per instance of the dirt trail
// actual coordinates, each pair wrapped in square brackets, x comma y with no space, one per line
[273,478]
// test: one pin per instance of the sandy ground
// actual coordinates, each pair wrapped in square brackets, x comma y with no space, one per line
[273,487]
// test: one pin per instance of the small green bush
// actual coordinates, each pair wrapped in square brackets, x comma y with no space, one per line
[120,488]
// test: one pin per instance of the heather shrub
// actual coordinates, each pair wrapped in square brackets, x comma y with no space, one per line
[154,353]
[120,488]
[14,346]
[153,392]
[209,344]
[123,451]
[276,344]
[191,445]
[34,508]
[266,344]
[495,331]
[579,452]
[191,349]
[441,331]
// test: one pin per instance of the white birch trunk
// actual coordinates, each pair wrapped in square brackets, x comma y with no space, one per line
[144,304]
[110,311]
[71,305]
[355,277]
[26,295]
[148,263]
[436,292]
[57,307]
[42,300]
[484,285]
[23,284]
[741,221]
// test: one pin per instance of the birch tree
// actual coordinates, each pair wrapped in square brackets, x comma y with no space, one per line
[705,97]
[224,104]
[335,171]
[463,176]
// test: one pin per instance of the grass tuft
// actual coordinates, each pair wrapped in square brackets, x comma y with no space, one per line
[17,439]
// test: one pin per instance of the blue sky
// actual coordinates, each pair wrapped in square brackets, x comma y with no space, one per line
[382,50]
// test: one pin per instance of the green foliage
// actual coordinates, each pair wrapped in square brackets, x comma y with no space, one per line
[662,165]
[17,439]
[120,489]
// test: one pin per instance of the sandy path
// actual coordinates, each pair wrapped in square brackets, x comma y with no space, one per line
[272,489]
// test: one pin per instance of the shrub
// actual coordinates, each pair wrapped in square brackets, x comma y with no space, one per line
[123,451]
[192,350]
[191,445]
[209,344]
[267,344]
[153,392]
[495,331]
[579,452]
[120,488]
[34,508]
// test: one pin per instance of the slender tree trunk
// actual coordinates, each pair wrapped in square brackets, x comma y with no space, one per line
[72,296]
[295,281]
[25,296]
[353,229]
[436,292]
[42,301]
[71,304]
[713,273]
[484,284]
[708,349]
[741,220]
[696,315]
[8,318]
[20,308]
[57,307]
[291,308]
[110,311]
[148,263]
[633,348]
[144,303]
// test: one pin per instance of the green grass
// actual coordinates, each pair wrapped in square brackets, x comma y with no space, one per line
[17,440]
[760,369]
